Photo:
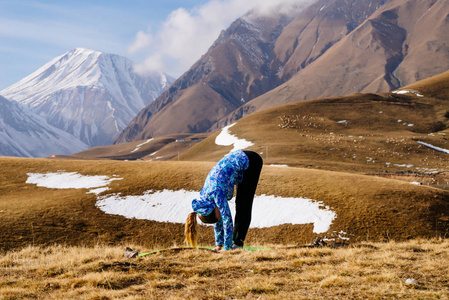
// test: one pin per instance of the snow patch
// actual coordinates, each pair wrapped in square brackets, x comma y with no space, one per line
[140,145]
[70,180]
[337,235]
[402,92]
[225,138]
[403,165]
[434,147]
[174,206]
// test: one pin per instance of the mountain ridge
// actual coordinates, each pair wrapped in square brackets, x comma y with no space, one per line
[22,133]
[331,48]
[367,59]
[87,93]
[228,75]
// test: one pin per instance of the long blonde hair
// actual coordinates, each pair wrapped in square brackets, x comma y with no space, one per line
[191,231]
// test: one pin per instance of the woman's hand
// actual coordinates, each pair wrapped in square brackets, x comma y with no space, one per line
[217,248]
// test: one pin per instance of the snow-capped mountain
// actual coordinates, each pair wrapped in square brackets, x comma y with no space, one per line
[25,134]
[89,94]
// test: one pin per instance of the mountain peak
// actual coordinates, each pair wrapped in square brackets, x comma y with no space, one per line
[85,53]
[87,93]
[83,50]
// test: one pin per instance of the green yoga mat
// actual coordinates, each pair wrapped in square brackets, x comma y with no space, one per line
[201,248]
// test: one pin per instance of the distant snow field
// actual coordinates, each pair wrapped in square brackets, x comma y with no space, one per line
[225,138]
[402,92]
[434,147]
[174,206]
[140,145]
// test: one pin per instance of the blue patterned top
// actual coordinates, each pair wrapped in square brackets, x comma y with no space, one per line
[217,189]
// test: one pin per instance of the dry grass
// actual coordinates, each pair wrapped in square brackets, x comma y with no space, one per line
[364,271]
[160,148]
[361,133]
[367,207]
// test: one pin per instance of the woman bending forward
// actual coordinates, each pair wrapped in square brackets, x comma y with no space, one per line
[241,168]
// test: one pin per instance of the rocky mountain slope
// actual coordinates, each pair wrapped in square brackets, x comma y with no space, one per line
[402,134]
[233,71]
[400,43]
[333,47]
[88,94]
[25,134]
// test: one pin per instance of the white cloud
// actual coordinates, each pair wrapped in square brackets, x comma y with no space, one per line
[187,34]
[143,40]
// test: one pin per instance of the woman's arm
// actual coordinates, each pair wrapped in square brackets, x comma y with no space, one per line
[219,233]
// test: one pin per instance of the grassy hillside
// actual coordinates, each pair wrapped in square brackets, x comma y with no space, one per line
[367,207]
[366,271]
[383,134]
[436,87]
[347,152]
[160,148]
[357,133]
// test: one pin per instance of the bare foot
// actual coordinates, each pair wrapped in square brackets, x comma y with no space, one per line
[217,248]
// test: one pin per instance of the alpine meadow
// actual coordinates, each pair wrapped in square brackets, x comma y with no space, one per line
[347,103]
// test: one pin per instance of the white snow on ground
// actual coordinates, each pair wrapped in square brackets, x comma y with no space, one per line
[279,166]
[434,147]
[225,138]
[174,206]
[402,92]
[404,165]
[140,145]
[340,235]
[70,180]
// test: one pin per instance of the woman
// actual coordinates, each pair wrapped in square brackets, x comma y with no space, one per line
[241,168]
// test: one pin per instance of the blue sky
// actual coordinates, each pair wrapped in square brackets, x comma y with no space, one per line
[34,32]
[167,35]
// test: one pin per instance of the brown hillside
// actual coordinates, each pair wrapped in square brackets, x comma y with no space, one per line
[231,73]
[316,30]
[331,48]
[436,86]
[398,45]
[346,137]
[253,56]
[426,39]
[357,133]
[367,208]
[160,148]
